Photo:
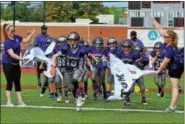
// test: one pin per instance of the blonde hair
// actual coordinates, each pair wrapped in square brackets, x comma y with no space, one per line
[173,36]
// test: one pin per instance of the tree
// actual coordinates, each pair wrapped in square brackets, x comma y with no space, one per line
[117,12]
[70,11]
[66,11]
[23,12]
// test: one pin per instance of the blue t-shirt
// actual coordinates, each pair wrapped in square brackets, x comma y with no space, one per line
[137,41]
[15,46]
[40,41]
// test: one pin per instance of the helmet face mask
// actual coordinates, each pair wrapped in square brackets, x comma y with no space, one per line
[157,46]
[98,43]
[112,43]
[126,48]
[127,45]
[73,39]
[73,44]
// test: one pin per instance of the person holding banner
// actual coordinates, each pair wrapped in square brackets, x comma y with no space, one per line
[128,56]
[11,58]
[141,63]
[175,69]
[98,72]
[40,41]
[112,47]
[74,68]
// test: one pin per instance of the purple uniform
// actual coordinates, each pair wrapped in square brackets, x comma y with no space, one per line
[74,59]
[159,60]
[15,46]
[60,60]
[142,62]
[129,58]
[40,41]
[98,54]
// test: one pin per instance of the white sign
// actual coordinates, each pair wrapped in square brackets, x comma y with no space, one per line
[150,37]
[106,19]
[83,21]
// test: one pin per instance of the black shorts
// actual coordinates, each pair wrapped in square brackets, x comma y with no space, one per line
[176,73]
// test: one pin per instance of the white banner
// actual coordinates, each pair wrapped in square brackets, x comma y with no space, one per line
[38,55]
[124,76]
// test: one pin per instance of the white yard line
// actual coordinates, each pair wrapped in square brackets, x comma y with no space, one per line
[95,109]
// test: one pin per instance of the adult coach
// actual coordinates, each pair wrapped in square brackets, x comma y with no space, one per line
[175,71]
[133,36]
[11,58]
[40,41]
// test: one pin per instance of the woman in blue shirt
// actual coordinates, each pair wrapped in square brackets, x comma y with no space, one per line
[11,58]
[175,71]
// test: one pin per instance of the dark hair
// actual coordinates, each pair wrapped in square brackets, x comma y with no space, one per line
[133,33]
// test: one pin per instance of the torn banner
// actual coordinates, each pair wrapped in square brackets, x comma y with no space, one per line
[38,55]
[124,76]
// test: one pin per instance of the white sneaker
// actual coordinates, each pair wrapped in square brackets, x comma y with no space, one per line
[66,100]
[21,104]
[9,104]
[86,96]
[41,95]
[158,94]
[79,102]
[59,98]
[83,99]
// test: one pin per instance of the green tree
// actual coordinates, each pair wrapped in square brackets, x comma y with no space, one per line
[7,13]
[117,12]
[36,14]
[70,11]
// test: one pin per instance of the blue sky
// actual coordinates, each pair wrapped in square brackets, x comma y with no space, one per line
[115,4]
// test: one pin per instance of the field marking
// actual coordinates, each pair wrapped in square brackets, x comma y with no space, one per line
[94,109]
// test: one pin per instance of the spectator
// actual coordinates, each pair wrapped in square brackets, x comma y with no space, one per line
[175,71]
[40,41]
[11,58]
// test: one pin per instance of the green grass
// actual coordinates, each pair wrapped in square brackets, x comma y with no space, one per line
[70,116]
[35,115]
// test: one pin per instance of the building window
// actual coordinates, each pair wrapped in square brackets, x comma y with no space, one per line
[170,23]
[146,4]
[179,22]
[134,5]
[166,2]
[137,22]
[183,4]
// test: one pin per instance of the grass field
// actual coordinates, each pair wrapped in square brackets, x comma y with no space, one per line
[41,115]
